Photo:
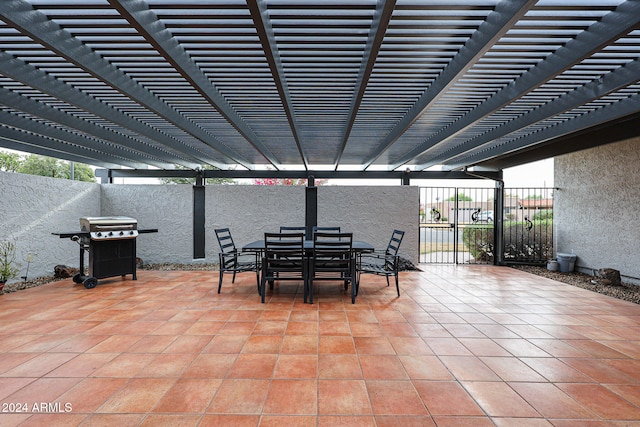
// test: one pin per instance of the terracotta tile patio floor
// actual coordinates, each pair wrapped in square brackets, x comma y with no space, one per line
[462,346]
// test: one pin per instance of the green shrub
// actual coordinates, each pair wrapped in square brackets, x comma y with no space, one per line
[543,215]
[478,240]
[533,245]
[524,244]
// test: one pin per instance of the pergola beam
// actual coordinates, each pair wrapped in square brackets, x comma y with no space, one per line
[20,140]
[38,79]
[505,15]
[83,145]
[147,24]
[264,29]
[298,174]
[592,119]
[611,27]
[27,20]
[384,10]
[106,140]
[486,146]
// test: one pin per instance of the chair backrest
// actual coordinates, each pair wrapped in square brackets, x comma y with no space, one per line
[325,229]
[394,243]
[332,251]
[284,229]
[225,240]
[283,251]
[323,240]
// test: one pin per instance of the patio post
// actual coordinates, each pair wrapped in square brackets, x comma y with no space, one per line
[199,217]
[311,205]
[405,177]
[498,223]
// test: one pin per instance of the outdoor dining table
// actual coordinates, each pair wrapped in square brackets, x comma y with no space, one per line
[356,246]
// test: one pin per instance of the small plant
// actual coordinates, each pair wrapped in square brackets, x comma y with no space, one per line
[8,267]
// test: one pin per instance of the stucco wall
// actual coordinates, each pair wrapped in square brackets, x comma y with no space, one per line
[169,208]
[34,207]
[250,211]
[372,213]
[596,207]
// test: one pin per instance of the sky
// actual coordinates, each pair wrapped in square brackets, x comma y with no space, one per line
[536,174]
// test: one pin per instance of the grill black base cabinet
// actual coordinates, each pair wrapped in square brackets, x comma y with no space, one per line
[113,258]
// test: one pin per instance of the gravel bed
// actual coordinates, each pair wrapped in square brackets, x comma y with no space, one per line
[32,283]
[627,292]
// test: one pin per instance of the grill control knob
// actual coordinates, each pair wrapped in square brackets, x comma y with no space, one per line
[122,233]
[111,233]
[131,233]
[98,234]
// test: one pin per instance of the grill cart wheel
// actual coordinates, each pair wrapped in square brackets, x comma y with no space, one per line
[78,278]
[90,282]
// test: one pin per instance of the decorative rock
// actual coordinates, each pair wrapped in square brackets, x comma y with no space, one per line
[610,275]
[63,271]
[406,265]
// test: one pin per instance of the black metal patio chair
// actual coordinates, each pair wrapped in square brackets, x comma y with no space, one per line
[285,229]
[332,259]
[283,259]
[232,261]
[325,229]
[382,263]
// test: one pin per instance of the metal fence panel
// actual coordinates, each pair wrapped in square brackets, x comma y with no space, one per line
[457,225]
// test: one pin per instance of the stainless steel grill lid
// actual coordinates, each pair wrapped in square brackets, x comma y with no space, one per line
[98,223]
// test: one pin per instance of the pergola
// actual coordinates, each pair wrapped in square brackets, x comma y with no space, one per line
[351,88]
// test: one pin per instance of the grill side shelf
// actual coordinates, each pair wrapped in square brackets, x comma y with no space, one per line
[70,234]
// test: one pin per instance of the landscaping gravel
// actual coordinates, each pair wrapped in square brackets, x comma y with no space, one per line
[627,291]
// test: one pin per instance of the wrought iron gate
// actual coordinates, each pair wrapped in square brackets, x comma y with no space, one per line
[457,225]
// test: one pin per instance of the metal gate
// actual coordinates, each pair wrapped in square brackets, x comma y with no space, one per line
[457,225]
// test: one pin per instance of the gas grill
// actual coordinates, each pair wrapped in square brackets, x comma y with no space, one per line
[111,243]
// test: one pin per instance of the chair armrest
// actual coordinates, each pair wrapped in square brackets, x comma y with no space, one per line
[238,256]
[377,261]
[378,255]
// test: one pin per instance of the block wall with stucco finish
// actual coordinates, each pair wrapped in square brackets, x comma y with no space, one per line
[249,211]
[372,213]
[33,207]
[596,207]
[169,208]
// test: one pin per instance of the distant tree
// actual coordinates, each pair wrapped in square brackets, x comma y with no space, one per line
[533,197]
[279,181]
[43,166]
[286,181]
[461,198]
[192,181]
[55,168]
[82,172]
[9,162]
